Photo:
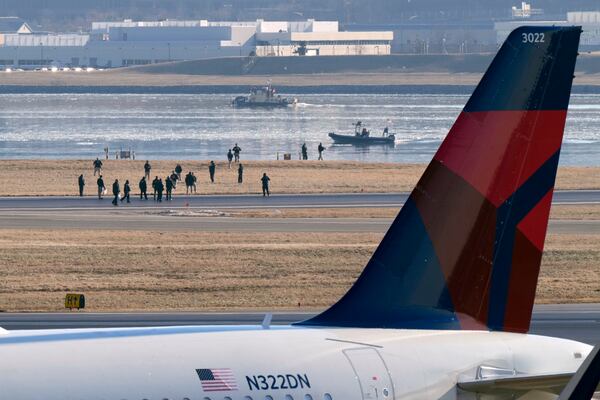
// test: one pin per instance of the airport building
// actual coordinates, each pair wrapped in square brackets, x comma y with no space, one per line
[126,43]
[588,20]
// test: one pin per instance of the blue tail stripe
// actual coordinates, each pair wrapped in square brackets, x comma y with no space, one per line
[508,217]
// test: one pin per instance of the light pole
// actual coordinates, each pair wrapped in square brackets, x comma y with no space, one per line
[41,53]
[169,48]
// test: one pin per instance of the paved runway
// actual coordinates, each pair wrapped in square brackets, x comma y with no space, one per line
[571,321]
[256,201]
[118,220]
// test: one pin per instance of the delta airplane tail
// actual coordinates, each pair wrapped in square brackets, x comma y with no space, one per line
[465,250]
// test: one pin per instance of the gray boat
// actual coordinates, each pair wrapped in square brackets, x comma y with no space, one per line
[362,136]
[263,97]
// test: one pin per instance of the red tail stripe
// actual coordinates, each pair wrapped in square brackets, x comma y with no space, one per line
[497,151]
[534,225]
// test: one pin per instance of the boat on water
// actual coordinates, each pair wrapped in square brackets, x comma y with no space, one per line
[263,97]
[362,136]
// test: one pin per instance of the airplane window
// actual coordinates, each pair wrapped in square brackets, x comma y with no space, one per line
[327,396]
[247,398]
[308,397]
[226,398]
[288,397]
[267,397]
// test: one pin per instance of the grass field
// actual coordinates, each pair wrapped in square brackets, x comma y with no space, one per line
[151,271]
[59,177]
[132,77]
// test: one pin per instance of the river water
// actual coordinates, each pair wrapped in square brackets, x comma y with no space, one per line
[204,126]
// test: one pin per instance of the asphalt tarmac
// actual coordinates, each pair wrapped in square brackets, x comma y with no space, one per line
[188,221]
[256,201]
[579,322]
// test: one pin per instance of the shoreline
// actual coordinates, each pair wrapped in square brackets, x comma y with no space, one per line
[59,177]
[139,82]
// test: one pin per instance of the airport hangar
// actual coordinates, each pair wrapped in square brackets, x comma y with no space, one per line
[126,43]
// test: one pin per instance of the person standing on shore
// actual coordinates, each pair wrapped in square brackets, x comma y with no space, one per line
[229,157]
[236,152]
[211,171]
[321,148]
[97,166]
[154,187]
[174,179]
[188,182]
[101,187]
[126,191]
[304,151]
[147,169]
[116,189]
[159,190]
[81,183]
[265,184]
[240,173]
[169,185]
[178,171]
[194,180]
[143,189]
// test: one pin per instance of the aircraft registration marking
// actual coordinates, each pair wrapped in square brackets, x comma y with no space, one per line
[277,382]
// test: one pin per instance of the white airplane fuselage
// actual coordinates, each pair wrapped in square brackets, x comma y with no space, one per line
[344,363]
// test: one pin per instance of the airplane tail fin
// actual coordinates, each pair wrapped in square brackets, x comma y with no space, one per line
[465,250]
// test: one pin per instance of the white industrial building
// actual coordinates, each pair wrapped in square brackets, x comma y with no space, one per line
[588,20]
[125,43]
[318,38]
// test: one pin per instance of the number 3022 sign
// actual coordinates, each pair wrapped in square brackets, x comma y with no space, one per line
[537,37]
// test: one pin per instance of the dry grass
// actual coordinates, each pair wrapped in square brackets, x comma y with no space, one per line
[120,270]
[575,211]
[47,177]
[131,77]
[559,211]
[570,270]
[59,177]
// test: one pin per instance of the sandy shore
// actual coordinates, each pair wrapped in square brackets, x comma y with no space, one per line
[119,77]
[132,78]
[59,177]
[137,270]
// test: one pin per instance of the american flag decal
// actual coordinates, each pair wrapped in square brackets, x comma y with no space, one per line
[217,379]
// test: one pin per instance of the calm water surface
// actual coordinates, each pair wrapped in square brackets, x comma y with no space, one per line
[182,126]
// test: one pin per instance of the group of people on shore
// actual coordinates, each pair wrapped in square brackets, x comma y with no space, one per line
[164,188]
[304,151]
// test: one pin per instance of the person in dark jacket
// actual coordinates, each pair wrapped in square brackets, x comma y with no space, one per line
[194,180]
[240,173]
[229,157]
[189,181]
[236,152]
[304,151]
[169,185]
[147,169]
[101,187]
[265,184]
[81,183]
[178,171]
[174,179]
[211,171]
[116,189]
[126,191]
[154,185]
[321,148]
[97,166]
[143,189]
[159,190]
